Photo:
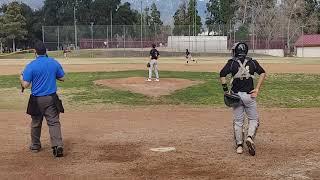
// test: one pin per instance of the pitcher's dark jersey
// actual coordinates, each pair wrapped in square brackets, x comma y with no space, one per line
[154,53]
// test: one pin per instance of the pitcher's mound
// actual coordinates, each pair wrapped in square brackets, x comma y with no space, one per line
[154,89]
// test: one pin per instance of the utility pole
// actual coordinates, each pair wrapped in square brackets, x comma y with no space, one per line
[195,18]
[111,36]
[58,38]
[43,34]
[92,34]
[302,41]
[141,27]
[195,24]
[75,25]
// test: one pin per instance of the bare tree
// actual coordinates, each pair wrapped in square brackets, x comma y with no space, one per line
[291,15]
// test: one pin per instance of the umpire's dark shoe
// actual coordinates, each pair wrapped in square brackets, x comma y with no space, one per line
[35,149]
[250,144]
[57,151]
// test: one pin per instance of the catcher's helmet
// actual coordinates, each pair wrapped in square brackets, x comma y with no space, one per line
[153,45]
[240,49]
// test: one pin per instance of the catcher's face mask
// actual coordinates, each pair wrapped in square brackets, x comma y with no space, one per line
[239,49]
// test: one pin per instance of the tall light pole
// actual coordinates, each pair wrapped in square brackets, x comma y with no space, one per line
[111,36]
[141,28]
[91,35]
[75,25]
[302,41]
[195,18]
[195,23]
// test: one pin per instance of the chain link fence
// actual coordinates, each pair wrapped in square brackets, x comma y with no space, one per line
[136,40]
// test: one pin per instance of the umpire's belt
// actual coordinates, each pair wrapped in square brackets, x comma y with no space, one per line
[33,108]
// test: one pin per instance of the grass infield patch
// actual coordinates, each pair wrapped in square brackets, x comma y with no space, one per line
[285,90]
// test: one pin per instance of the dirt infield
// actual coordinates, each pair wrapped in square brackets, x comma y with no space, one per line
[153,89]
[115,143]
[204,67]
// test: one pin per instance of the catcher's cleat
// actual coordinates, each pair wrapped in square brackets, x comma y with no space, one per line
[250,144]
[157,80]
[240,149]
[149,80]
[57,151]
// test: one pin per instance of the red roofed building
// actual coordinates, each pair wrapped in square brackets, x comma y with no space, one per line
[308,46]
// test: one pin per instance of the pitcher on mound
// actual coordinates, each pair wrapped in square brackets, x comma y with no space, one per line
[153,64]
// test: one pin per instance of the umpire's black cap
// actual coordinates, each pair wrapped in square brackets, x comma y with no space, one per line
[40,48]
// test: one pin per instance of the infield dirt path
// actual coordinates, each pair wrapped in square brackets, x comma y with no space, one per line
[115,143]
[270,68]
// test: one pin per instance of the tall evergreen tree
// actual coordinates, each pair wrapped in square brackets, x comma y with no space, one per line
[219,14]
[2,34]
[102,10]
[146,17]
[14,23]
[194,18]
[125,15]
[155,16]
[156,22]
[312,10]
[181,21]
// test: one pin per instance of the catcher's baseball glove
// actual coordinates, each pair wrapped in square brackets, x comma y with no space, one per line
[148,65]
[231,99]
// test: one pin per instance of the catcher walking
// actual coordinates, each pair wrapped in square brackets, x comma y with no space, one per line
[242,97]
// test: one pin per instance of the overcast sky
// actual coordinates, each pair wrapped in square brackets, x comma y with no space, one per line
[166,11]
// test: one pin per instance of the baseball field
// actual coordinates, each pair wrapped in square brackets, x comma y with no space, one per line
[113,118]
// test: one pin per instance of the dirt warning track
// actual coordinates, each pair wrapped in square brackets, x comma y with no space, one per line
[270,68]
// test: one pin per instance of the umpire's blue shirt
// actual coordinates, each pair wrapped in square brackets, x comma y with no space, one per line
[42,73]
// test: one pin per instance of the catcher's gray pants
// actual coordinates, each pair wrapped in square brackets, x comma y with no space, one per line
[153,66]
[248,106]
[49,111]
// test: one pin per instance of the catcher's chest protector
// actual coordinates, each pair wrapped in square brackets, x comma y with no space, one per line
[243,71]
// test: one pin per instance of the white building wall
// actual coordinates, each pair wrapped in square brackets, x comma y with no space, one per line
[308,51]
[270,52]
[198,43]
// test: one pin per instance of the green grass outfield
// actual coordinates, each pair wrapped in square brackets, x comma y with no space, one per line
[285,90]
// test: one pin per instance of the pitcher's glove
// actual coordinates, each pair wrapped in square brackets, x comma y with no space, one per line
[148,65]
[232,100]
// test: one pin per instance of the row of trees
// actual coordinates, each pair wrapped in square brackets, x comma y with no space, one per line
[22,25]
[186,17]
[265,19]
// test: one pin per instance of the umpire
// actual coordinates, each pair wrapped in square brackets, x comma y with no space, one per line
[242,68]
[42,74]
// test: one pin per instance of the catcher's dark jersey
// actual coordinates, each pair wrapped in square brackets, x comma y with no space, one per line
[154,53]
[244,85]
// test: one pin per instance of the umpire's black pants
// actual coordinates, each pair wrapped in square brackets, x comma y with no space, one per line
[48,110]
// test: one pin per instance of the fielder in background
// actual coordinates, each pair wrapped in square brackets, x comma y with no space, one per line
[189,57]
[242,68]
[65,53]
[153,64]
[42,74]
